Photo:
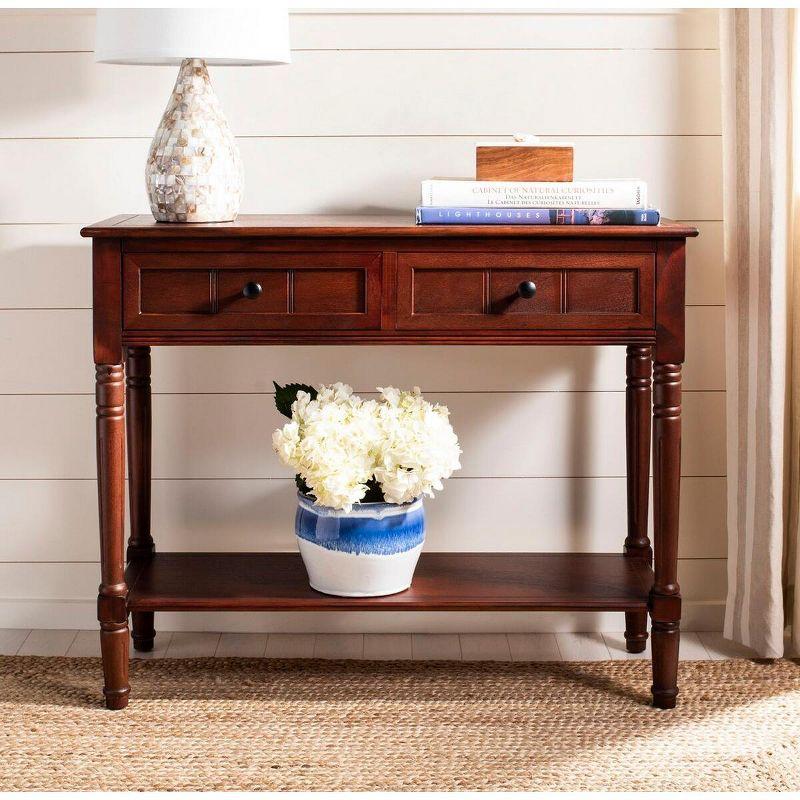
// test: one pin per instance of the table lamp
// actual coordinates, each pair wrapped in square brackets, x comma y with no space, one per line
[194,170]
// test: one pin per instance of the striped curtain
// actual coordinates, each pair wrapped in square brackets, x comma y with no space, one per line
[758,49]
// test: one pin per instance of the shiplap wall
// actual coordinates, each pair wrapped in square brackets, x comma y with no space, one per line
[371,104]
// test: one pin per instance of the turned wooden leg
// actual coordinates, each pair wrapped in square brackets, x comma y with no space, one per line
[665,599]
[638,367]
[635,631]
[139,426]
[111,602]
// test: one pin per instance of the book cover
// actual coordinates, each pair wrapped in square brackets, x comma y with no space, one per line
[439,215]
[523,194]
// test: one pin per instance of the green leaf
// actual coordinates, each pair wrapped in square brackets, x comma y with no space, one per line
[302,486]
[374,493]
[286,395]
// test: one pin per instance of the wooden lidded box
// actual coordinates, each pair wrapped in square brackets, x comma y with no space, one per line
[525,159]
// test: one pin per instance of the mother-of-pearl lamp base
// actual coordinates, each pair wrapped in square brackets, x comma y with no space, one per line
[194,170]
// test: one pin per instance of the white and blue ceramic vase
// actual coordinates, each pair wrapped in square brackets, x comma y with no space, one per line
[367,552]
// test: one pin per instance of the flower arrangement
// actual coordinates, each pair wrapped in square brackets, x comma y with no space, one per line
[347,450]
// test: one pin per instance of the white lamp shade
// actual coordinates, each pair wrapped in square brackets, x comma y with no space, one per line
[220,36]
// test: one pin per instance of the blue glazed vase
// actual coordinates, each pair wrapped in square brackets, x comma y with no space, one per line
[367,552]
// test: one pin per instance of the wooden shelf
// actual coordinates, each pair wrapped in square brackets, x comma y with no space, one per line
[443,582]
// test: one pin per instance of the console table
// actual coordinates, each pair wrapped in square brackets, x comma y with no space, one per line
[372,280]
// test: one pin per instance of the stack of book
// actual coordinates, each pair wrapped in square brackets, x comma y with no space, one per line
[533,202]
[472,202]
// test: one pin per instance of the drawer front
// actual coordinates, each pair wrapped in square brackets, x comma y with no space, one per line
[463,291]
[270,291]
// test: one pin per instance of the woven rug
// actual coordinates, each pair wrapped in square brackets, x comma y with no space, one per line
[352,725]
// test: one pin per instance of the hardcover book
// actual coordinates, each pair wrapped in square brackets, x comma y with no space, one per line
[605,194]
[440,215]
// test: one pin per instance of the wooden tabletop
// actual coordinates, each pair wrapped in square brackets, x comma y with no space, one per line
[306,225]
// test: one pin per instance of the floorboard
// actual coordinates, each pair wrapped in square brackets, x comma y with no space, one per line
[582,647]
[11,640]
[43,642]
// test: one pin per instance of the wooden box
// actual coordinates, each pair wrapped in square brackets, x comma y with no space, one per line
[523,162]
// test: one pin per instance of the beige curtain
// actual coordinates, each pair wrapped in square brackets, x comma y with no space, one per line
[760,122]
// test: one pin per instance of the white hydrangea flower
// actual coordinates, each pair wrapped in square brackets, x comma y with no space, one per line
[285,441]
[338,442]
[418,449]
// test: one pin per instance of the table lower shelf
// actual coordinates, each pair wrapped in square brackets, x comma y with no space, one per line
[442,582]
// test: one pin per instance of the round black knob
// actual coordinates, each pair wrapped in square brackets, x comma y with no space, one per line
[252,290]
[526,289]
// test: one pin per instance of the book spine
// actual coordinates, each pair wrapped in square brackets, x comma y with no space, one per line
[519,194]
[456,215]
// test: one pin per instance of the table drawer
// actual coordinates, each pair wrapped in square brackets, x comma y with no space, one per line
[462,291]
[232,291]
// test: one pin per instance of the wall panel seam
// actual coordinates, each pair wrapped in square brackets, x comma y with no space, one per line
[425,50]
[452,478]
[157,393]
[680,558]
[375,136]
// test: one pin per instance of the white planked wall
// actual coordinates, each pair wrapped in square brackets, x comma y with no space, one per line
[372,103]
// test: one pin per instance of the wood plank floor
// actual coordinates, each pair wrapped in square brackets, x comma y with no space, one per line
[418,646]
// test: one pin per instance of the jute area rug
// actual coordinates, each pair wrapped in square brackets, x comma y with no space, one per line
[353,725]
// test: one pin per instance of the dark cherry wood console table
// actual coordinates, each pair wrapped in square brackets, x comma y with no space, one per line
[372,280]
